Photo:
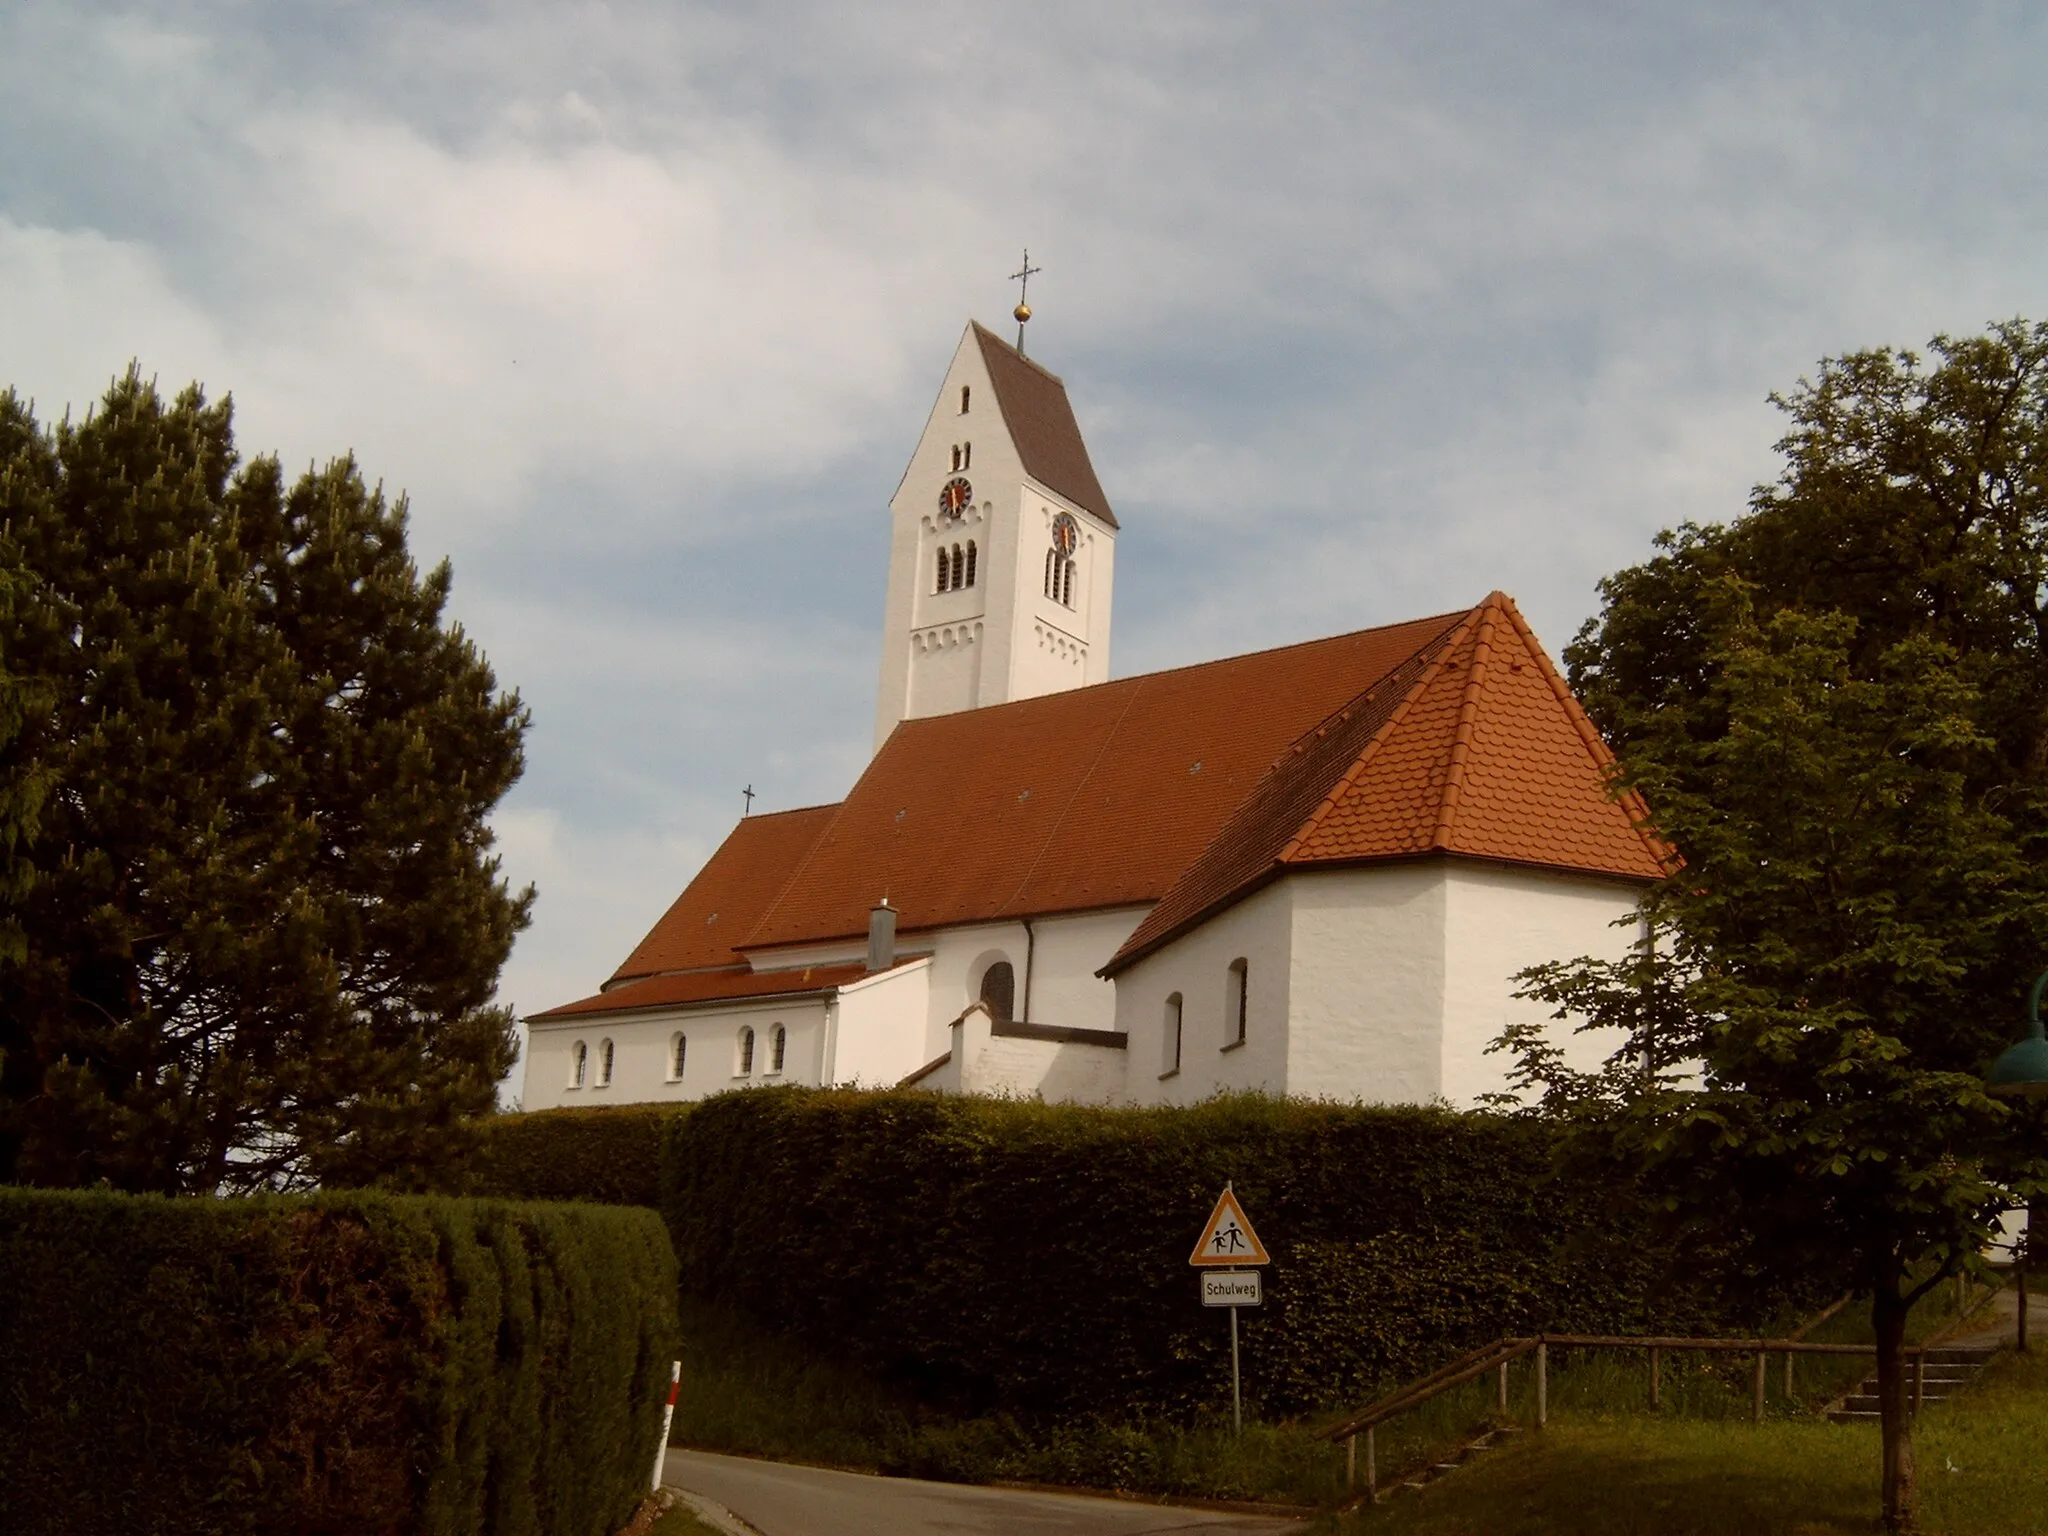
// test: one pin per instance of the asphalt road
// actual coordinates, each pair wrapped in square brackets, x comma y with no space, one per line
[780,1500]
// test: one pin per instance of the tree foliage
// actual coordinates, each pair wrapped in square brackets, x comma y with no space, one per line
[259,924]
[1838,708]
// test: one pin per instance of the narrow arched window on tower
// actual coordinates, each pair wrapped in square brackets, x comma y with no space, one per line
[963,399]
[945,570]
[999,990]
[956,458]
[959,567]
[967,455]
[1052,564]
[970,562]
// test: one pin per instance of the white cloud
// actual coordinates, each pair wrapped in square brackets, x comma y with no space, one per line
[1367,310]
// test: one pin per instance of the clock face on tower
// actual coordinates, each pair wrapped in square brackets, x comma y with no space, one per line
[1066,534]
[954,497]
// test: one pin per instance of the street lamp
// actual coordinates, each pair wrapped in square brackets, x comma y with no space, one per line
[2022,1070]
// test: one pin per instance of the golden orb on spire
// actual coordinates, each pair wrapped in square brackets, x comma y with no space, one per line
[1022,312]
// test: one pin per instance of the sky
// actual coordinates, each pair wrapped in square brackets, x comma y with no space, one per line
[1365,311]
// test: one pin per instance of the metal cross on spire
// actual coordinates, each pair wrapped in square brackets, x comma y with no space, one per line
[1022,277]
[749,793]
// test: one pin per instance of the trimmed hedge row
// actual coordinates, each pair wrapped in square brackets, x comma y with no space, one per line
[610,1154]
[347,1363]
[1006,1256]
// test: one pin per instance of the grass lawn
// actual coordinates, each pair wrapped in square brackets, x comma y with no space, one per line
[747,1390]
[1983,1463]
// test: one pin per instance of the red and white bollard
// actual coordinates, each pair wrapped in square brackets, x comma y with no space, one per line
[668,1417]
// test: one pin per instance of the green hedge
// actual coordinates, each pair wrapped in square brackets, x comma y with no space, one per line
[1004,1256]
[611,1155]
[348,1363]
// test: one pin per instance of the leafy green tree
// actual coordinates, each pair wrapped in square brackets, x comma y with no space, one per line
[1838,708]
[1914,498]
[260,924]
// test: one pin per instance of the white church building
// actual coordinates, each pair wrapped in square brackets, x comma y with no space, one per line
[1313,870]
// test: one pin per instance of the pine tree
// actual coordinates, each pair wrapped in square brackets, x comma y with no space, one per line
[261,924]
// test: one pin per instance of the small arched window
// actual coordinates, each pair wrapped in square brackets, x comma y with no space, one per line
[963,399]
[746,1050]
[959,567]
[967,455]
[1169,1047]
[579,1059]
[956,456]
[678,1046]
[1237,995]
[778,1048]
[1067,584]
[999,991]
[604,1063]
[970,562]
[945,571]
[1052,565]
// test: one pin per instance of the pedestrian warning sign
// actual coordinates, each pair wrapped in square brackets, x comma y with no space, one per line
[1228,1239]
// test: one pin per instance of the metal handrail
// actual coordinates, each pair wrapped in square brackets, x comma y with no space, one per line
[1508,1348]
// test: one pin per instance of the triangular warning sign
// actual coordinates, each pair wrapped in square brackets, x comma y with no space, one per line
[1227,1239]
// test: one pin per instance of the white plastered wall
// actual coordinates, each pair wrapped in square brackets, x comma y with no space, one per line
[1368,969]
[641,1043]
[1054,645]
[1197,966]
[1502,919]
[1061,955]
[1379,984]
[978,1060]
[878,1032]
[935,645]
[1066,954]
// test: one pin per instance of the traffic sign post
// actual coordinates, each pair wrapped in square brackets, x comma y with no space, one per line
[1224,1250]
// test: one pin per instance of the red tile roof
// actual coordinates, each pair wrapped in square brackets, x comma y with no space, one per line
[726,984]
[1041,422]
[1187,788]
[729,894]
[1475,746]
[1096,797]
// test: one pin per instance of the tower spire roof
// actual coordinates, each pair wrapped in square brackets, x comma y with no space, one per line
[1041,424]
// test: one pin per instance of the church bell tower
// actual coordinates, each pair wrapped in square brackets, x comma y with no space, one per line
[1002,550]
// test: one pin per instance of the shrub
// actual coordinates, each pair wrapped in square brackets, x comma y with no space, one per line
[352,1363]
[1013,1256]
[611,1155]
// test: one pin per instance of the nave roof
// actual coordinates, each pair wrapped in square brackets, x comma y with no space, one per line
[1186,789]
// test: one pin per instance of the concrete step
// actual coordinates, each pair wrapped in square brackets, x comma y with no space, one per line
[1948,1370]
[1464,1453]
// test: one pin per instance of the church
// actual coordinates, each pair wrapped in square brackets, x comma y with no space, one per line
[1313,870]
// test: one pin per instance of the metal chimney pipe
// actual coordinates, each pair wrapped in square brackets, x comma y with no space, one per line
[882,936]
